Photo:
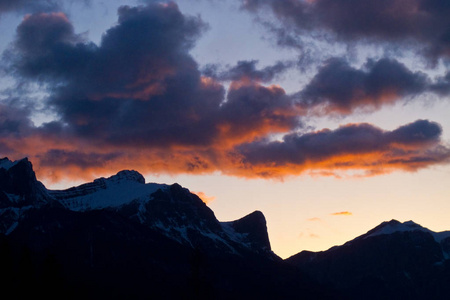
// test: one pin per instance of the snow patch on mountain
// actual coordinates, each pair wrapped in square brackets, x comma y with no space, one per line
[7,164]
[396,226]
[114,191]
[235,236]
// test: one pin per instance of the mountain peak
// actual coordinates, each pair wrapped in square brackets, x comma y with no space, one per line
[6,163]
[126,175]
[18,180]
[256,217]
[392,226]
[254,226]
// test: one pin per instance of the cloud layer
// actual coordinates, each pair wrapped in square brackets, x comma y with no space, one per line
[138,99]
[353,146]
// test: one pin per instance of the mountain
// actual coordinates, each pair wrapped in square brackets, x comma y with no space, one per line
[120,237]
[18,185]
[392,261]
[170,210]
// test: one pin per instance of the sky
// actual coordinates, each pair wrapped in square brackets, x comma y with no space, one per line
[329,116]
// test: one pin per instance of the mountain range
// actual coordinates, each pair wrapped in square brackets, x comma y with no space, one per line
[122,238]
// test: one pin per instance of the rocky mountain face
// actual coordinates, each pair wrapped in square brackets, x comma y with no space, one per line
[392,261]
[170,210]
[18,185]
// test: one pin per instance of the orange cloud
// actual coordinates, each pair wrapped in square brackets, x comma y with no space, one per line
[57,157]
[315,219]
[204,197]
[342,213]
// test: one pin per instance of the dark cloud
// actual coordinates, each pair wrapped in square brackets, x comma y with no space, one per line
[354,146]
[442,85]
[343,88]
[64,158]
[423,22]
[14,121]
[257,110]
[140,86]
[248,70]
[47,48]
[418,133]
[139,80]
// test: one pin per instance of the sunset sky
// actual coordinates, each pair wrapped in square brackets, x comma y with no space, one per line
[329,116]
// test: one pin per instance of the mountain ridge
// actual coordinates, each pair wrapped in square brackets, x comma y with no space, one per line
[157,241]
[394,260]
[120,237]
[170,209]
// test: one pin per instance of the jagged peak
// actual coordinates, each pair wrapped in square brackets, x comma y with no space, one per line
[18,179]
[6,163]
[392,226]
[177,193]
[124,175]
[176,187]
[256,217]
[253,224]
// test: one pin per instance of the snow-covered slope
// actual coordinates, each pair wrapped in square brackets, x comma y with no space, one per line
[117,190]
[6,164]
[396,226]
[392,261]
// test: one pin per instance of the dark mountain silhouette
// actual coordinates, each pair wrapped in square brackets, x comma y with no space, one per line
[392,261]
[120,238]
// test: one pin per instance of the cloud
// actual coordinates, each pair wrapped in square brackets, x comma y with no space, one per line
[414,23]
[314,219]
[14,121]
[139,100]
[138,88]
[204,197]
[141,86]
[342,213]
[442,85]
[350,147]
[247,70]
[340,87]
[45,48]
